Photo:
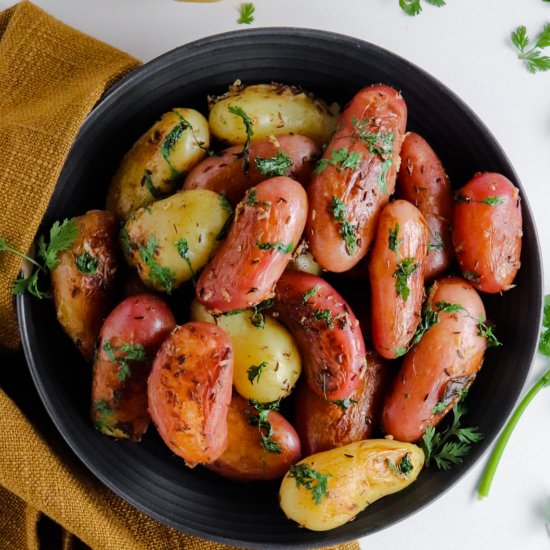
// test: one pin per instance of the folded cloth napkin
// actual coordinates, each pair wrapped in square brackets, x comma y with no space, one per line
[50,78]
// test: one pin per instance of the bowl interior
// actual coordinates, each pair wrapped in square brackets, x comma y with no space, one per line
[334,67]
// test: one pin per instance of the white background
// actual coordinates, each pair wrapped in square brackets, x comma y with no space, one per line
[466,45]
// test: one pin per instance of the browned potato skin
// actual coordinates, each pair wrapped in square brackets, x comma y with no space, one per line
[225,174]
[244,458]
[82,301]
[324,425]
[189,391]
[487,238]
[423,181]
[359,188]
[449,352]
[394,320]
[145,320]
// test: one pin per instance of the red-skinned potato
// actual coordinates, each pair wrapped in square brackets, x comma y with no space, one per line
[437,369]
[290,155]
[326,331]
[487,232]
[423,181]
[189,391]
[128,343]
[268,224]
[396,270]
[324,425]
[245,458]
[355,177]
[83,282]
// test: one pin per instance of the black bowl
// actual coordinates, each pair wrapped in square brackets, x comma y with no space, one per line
[334,67]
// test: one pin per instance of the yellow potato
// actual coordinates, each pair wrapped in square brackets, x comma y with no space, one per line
[172,239]
[344,481]
[273,109]
[158,161]
[303,260]
[267,362]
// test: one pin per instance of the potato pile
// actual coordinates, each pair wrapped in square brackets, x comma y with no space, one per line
[293,200]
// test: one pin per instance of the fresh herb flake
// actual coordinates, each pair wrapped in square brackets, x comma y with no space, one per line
[247,121]
[255,371]
[344,403]
[160,276]
[403,467]
[87,264]
[492,201]
[310,293]
[438,243]
[274,166]
[324,315]
[155,191]
[393,243]
[402,273]
[246,13]
[340,159]
[486,332]
[281,247]
[348,232]
[310,479]
[182,246]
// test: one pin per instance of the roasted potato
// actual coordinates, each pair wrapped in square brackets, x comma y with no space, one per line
[423,181]
[83,282]
[396,267]
[326,331]
[267,362]
[189,391]
[355,178]
[487,232]
[268,224]
[128,343]
[171,240]
[281,155]
[303,260]
[158,161]
[328,489]
[261,445]
[273,109]
[323,425]
[444,363]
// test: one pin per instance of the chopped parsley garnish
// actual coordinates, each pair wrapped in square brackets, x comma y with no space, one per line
[252,199]
[182,246]
[310,479]
[447,307]
[404,466]
[341,159]
[274,166]
[491,201]
[125,241]
[344,403]
[400,351]
[310,293]
[155,191]
[247,121]
[225,204]
[246,13]
[161,276]
[448,447]
[393,243]
[257,318]
[413,7]
[348,232]
[438,243]
[324,315]
[533,57]
[169,143]
[402,273]
[487,332]
[281,247]
[255,371]
[86,263]
[440,406]
[261,421]
[122,354]
[104,415]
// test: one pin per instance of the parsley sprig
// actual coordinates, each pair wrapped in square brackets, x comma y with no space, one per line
[161,276]
[341,159]
[122,354]
[277,165]
[261,421]
[533,57]
[62,236]
[86,263]
[348,232]
[413,7]
[255,372]
[448,447]
[246,13]
[403,467]
[312,480]
[402,274]
[281,247]
[543,382]
[247,121]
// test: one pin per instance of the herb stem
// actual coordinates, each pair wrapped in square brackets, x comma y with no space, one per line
[491,468]
[5,247]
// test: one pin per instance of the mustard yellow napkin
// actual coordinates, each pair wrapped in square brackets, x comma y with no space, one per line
[50,78]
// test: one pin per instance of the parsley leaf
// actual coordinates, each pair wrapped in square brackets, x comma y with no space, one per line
[447,307]
[310,479]
[182,246]
[492,201]
[533,58]
[166,150]
[344,403]
[544,344]
[324,315]
[246,13]
[86,263]
[255,371]
[252,199]
[402,273]
[487,333]
[341,159]
[274,166]
[62,237]
[247,121]
[440,447]
[413,7]
[160,276]
[428,320]
[393,243]
[226,205]
[404,466]
[30,284]
[122,354]
[310,293]
[438,243]
[281,247]
[257,318]
[348,232]
[155,191]
[261,420]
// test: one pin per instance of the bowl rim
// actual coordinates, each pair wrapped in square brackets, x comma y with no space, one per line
[140,73]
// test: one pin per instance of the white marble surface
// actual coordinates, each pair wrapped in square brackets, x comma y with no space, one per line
[465,45]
